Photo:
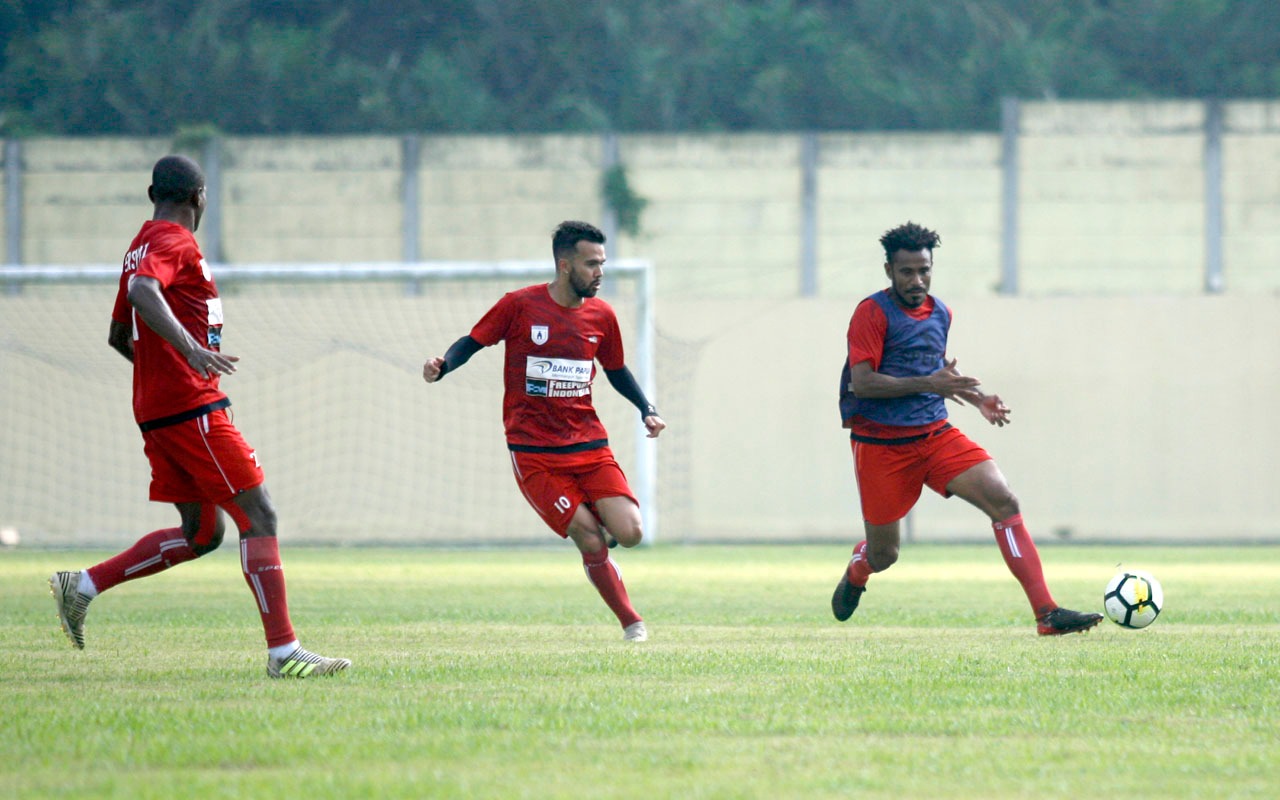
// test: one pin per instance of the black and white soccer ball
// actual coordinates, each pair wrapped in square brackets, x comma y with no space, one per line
[1133,598]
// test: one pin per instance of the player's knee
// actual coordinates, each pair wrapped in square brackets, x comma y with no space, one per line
[881,558]
[1005,505]
[204,534]
[628,535]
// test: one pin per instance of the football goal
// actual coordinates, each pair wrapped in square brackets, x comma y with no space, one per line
[357,449]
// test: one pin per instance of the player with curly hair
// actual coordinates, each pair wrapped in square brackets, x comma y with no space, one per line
[893,389]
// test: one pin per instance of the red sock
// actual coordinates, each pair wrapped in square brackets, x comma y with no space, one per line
[260,561]
[155,552]
[1024,562]
[604,575]
[859,570]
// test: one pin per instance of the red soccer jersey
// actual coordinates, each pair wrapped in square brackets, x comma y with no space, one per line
[550,364]
[164,384]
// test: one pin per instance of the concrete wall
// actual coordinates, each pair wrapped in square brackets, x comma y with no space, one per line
[1140,403]
[1111,198]
[1134,417]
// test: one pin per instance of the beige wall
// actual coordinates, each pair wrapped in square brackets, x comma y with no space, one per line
[1139,402]
[1134,418]
[1143,417]
[499,197]
[317,199]
[1111,200]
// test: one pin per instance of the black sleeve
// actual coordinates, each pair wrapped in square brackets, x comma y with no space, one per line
[625,383]
[459,353]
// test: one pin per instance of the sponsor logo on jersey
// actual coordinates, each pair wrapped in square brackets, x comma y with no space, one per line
[561,369]
[557,377]
[539,334]
[535,388]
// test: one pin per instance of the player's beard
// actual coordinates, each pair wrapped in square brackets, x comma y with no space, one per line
[583,289]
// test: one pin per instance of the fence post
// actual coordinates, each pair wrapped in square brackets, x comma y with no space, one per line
[609,158]
[1214,280]
[211,222]
[809,215]
[409,201]
[1010,128]
[13,201]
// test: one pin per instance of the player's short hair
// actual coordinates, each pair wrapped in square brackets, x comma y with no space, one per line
[910,237]
[174,179]
[569,233]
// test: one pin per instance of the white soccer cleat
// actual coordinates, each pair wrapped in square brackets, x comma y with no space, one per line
[635,632]
[72,605]
[305,664]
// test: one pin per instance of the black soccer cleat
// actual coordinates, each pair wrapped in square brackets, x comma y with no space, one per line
[845,600]
[1064,620]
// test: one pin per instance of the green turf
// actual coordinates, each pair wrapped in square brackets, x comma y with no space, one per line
[501,674]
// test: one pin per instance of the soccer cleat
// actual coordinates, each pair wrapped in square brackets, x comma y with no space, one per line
[846,597]
[635,632]
[1064,620]
[304,664]
[72,605]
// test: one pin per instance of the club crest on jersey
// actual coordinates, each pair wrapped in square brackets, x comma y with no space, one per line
[539,334]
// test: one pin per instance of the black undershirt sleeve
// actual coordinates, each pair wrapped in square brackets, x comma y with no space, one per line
[459,353]
[625,383]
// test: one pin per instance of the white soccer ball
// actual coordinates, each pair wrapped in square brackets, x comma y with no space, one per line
[1133,598]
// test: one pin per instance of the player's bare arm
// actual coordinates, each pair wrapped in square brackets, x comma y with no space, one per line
[991,407]
[947,382]
[149,303]
[120,338]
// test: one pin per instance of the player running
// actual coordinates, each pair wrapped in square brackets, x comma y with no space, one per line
[560,454]
[892,394]
[167,320]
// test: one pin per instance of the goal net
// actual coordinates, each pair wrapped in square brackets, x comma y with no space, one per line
[357,449]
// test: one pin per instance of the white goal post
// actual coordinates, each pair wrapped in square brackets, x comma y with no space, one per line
[357,448]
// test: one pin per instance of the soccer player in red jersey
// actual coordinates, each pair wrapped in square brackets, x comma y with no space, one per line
[892,392]
[167,321]
[560,454]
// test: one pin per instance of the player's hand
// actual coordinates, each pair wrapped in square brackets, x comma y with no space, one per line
[654,424]
[431,369]
[949,383]
[208,363]
[994,410]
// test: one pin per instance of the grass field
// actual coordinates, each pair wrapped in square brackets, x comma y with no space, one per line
[499,673]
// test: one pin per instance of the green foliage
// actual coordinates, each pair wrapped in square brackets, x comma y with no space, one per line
[627,206]
[336,66]
[499,673]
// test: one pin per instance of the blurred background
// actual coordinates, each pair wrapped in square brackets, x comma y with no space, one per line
[1105,177]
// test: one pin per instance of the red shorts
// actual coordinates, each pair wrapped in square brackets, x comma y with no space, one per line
[555,484]
[891,476]
[202,460]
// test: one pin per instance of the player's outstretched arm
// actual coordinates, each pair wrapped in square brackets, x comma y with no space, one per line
[149,302]
[458,354]
[625,383]
[947,381]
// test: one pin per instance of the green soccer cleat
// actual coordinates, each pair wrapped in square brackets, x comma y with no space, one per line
[72,605]
[305,664]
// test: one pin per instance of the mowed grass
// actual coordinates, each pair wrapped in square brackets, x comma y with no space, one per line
[499,673]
